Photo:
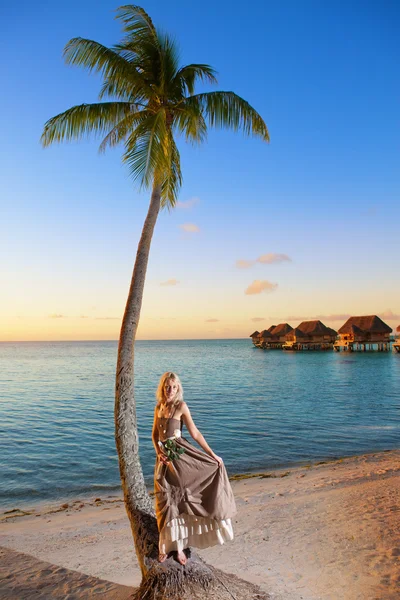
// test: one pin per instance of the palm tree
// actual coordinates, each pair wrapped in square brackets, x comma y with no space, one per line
[153,100]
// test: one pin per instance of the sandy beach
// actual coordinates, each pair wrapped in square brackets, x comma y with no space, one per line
[326,531]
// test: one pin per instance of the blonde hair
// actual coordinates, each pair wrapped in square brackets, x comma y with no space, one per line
[160,393]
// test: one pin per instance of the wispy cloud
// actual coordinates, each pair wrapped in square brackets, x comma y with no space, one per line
[107,318]
[259,286]
[273,257]
[245,264]
[83,317]
[265,259]
[188,203]
[342,317]
[338,317]
[189,228]
[212,320]
[56,316]
[291,318]
[257,319]
[170,282]
[389,315]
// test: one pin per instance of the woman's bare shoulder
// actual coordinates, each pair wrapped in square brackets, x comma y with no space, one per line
[181,409]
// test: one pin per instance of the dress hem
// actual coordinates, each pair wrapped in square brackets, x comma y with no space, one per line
[190,530]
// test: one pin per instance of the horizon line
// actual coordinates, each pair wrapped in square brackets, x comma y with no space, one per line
[117,340]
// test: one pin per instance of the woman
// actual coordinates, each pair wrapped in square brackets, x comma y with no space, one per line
[193,495]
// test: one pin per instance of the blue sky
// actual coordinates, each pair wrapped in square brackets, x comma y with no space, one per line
[324,192]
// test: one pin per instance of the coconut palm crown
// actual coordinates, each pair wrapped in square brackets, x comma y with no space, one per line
[154,101]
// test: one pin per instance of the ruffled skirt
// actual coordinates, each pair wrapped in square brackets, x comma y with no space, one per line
[194,501]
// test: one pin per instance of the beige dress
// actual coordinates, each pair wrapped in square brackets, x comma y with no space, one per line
[193,496]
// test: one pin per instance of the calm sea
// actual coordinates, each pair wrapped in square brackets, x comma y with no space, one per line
[257,409]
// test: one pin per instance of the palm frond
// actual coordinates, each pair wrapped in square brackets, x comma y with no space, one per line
[145,59]
[187,77]
[137,24]
[145,149]
[122,129]
[172,176]
[81,120]
[189,121]
[227,109]
[169,63]
[115,69]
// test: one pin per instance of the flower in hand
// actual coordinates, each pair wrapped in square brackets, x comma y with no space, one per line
[169,450]
[173,451]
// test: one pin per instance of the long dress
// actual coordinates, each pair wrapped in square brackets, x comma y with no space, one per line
[194,500]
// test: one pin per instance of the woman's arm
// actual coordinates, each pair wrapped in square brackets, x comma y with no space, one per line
[154,433]
[194,432]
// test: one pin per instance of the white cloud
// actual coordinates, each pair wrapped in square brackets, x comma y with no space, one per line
[272,257]
[259,286]
[190,228]
[188,203]
[244,264]
[170,282]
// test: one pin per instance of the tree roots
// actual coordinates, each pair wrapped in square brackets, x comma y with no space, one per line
[194,581]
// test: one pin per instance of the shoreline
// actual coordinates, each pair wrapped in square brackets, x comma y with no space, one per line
[317,532]
[92,498]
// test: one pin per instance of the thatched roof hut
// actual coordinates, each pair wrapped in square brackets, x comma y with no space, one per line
[316,328]
[255,334]
[265,334]
[295,334]
[363,331]
[273,327]
[367,324]
[311,334]
[281,330]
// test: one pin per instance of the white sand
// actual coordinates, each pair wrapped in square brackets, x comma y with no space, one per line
[328,532]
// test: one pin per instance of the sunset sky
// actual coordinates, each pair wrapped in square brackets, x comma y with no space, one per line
[304,227]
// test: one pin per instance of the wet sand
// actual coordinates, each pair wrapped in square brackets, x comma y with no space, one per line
[327,531]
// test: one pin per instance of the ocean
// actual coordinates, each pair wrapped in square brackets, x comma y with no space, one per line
[257,409]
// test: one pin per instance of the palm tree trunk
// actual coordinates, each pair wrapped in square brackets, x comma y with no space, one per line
[160,581]
[138,504]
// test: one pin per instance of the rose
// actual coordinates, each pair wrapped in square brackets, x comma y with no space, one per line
[172,450]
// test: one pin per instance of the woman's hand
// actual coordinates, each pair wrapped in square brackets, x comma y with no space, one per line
[218,458]
[164,459]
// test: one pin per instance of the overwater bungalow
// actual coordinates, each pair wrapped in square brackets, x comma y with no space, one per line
[264,338]
[362,333]
[278,335]
[396,345]
[255,337]
[310,335]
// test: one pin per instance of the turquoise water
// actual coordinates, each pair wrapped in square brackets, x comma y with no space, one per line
[257,409]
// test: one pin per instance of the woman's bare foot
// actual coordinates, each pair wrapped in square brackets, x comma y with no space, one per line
[182,558]
[162,557]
